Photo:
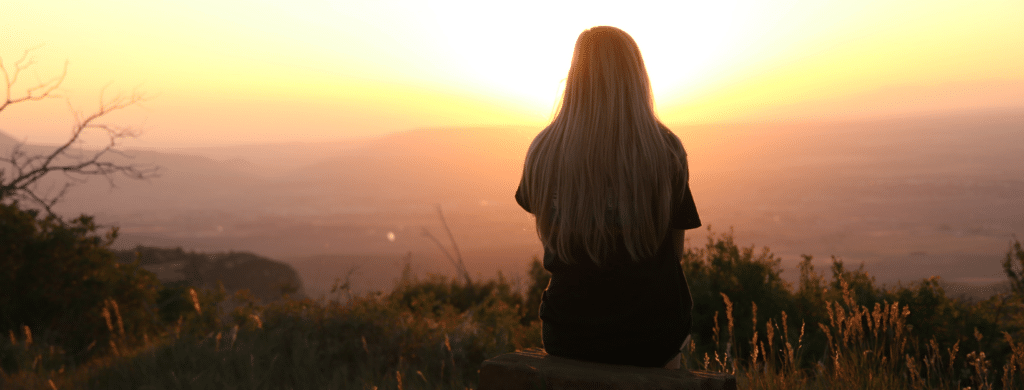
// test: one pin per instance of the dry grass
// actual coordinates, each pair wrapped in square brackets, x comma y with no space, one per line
[868,348]
[419,340]
[367,342]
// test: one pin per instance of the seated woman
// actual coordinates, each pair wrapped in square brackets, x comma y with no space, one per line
[607,183]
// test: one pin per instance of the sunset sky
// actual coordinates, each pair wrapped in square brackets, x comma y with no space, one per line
[228,72]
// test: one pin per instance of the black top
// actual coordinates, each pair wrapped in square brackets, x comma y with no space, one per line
[624,312]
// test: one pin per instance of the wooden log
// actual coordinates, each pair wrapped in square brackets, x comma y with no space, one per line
[534,369]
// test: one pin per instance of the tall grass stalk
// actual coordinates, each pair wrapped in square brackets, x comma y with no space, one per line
[867,348]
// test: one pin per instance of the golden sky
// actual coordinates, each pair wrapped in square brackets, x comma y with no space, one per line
[224,72]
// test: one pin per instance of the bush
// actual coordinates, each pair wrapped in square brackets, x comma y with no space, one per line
[1013,266]
[725,278]
[437,294]
[539,279]
[61,284]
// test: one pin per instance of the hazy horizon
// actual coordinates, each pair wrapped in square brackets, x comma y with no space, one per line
[910,197]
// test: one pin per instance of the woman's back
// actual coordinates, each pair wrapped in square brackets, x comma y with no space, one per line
[607,183]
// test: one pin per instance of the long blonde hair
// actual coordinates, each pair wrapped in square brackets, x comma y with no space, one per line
[604,169]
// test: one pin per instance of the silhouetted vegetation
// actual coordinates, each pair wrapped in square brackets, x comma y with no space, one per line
[1013,265]
[845,331]
[62,289]
[837,330]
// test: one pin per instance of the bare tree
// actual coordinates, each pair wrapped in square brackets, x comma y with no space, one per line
[456,261]
[21,170]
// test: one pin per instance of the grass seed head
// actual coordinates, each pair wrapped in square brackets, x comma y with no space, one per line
[106,316]
[195,300]
[256,320]
[117,313]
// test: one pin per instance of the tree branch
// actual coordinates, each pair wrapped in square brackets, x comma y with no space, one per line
[456,261]
[26,170]
[39,91]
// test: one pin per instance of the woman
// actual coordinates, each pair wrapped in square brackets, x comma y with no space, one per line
[607,183]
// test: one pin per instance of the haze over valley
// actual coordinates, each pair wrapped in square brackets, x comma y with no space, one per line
[909,197]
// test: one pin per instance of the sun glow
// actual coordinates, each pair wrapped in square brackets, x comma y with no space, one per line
[526,52]
[230,71]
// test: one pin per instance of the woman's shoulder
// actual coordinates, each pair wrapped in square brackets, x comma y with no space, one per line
[671,138]
[538,139]
[673,142]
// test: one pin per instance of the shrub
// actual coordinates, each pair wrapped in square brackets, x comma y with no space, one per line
[539,279]
[437,294]
[725,278]
[1013,266]
[59,280]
